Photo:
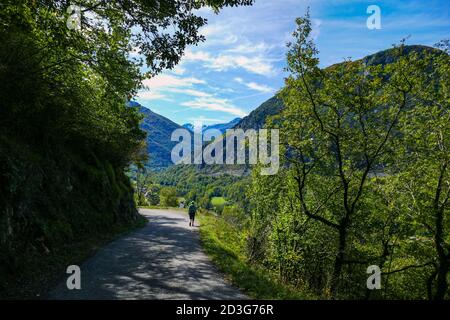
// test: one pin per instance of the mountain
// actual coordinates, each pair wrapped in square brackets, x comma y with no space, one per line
[222,127]
[386,56]
[189,126]
[257,118]
[159,131]
[159,128]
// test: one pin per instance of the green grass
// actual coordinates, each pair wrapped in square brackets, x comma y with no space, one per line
[218,201]
[226,247]
[162,208]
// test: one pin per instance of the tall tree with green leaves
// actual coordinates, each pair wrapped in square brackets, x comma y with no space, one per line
[423,181]
[338,128]
[66,133]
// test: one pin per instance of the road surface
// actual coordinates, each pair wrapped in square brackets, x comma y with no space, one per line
[164,260]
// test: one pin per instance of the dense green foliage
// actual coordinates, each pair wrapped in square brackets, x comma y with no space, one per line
[66,133]
[203,184]
[226,246]
[365,178]
[65,137]
[168,197]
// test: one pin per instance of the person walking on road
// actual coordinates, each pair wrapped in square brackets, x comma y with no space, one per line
[192,209]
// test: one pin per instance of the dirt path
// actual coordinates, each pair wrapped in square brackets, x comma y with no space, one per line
[164,260]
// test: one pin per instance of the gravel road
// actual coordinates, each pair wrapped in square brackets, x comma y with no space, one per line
[164,260]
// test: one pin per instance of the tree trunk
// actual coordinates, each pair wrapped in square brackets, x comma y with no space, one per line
[441,283]
[443,261]
[339,261]
[443,257]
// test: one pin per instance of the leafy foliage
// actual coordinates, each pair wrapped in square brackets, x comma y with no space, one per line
[365,179]
[66,133]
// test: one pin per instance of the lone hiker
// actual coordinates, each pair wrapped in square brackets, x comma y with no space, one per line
[192,210]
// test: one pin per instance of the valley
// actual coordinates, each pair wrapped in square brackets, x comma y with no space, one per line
[321,171]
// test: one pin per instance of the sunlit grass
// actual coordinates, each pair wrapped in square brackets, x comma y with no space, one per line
[218,201]
[226,247]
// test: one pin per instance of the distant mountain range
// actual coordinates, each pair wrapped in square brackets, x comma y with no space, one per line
[222,127]
[159,131]
[159,128]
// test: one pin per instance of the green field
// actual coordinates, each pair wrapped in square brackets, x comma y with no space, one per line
[218,201]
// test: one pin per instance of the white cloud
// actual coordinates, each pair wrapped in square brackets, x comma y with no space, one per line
[224,62]
[197,56]
[157,86]
[259,87]
[256,65]
[202,119]
[316,23]
[218,34]
[248,47]
[191,92]
[151,95]
[167,83]
[164,81]
[210,30]
[255,86]
[215,104]
[179,70]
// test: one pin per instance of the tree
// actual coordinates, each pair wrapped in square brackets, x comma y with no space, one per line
[339,128]
[339,124]
[153,194]
[66,132]
[168,197]
[143,183]
[423,181]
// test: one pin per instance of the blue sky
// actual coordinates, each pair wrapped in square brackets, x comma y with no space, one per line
[240,65]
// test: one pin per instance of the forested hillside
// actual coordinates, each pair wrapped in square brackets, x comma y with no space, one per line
[364,180]
[159,131]
[257,118]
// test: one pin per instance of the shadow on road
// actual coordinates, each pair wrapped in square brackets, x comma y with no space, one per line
[164,260]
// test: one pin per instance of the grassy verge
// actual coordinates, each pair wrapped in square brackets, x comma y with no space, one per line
[45,272]
[162,208]
[218,201]
[223,243]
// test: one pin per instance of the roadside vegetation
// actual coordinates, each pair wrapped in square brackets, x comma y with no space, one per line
[67,131]
[226,247]
[364,181]
[365,178]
